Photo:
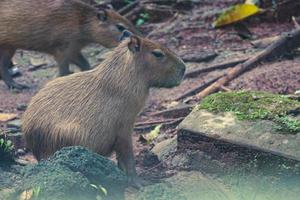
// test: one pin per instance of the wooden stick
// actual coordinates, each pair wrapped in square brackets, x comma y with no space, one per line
[173,122]
[296,24]
[174,112]
[285,43]
[153,122]
[226,89]
[220,66]
[197,89]
[128,7]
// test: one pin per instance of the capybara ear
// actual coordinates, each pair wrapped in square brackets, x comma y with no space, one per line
[102,15]
[125,34]
[135,44]
[103,6]
[109,7]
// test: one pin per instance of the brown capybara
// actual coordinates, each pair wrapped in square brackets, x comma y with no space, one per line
[97,108]
[58,27]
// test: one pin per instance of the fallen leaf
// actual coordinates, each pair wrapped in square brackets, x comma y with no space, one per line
[236,13]
[5,117]
[38,61]
[149,137]
[26,195]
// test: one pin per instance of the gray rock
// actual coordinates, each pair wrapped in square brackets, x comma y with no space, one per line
[259,135]
[191,185]
[165,147]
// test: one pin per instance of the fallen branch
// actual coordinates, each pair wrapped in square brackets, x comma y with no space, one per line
[165,125]
[174,112]
[153,122]
[295,21]
[197,89]
[199,58]
[128,7]
[265,42]
[285,43]
[133,12]
[220,66]
[226,89]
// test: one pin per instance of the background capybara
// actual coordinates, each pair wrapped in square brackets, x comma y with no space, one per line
[97,108]
[58,27]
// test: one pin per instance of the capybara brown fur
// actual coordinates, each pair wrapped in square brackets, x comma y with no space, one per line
[58,27]
[97,108]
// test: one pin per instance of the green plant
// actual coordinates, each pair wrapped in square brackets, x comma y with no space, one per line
[287,124]
[143,17]
[6,148]
[102,191]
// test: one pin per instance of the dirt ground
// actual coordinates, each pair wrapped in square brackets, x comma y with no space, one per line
[189,33]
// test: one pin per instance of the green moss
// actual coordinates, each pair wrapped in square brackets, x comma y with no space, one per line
[255,105]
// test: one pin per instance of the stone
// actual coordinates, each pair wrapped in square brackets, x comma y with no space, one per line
[74,173]
[191,185]
[259,135]
[165,147]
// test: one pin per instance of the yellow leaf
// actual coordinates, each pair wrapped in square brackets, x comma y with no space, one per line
[26,195]
[236,13]
[103,190]
[4,117]
[37,61]
[153,134]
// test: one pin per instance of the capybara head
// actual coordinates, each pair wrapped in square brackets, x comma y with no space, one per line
[107,27]
[160,66]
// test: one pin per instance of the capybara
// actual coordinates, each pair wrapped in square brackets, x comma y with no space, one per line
[97,108]
[58,27]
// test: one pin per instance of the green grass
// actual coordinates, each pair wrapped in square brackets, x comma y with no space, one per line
[254,106]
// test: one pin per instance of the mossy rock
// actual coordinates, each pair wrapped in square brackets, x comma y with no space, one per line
[73,173]
[51,181]
[99,170]
[248,105]
[252,120]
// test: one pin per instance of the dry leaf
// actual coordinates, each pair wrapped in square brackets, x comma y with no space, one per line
[26,195]
[236,13]
[38,61]
[4,117]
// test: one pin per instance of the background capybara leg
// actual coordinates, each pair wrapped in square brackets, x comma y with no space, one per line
[5,63]
[62,59]
[79,60]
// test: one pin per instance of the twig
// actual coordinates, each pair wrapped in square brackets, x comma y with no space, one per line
[174,112]
[284,43]
[197,89]
[173,122]
[296,24]
[133,12]
[226,89]
[153,122]
[128,7]
[224,65]
[265,42]
[198,58]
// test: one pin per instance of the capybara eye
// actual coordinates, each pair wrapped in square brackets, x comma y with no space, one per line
[158,54]
[102,16]
[120,27]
